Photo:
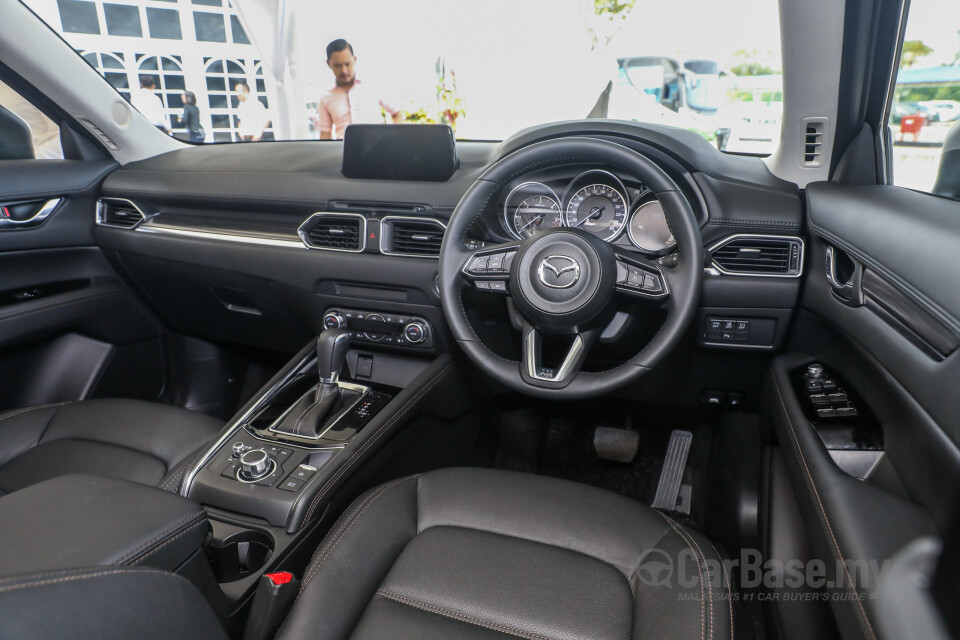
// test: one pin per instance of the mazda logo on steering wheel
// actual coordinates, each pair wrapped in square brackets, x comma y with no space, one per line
[558,272]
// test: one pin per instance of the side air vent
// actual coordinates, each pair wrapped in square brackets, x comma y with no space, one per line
[413,237]
[814,137]
[335,232]
[756,255]
[117,212]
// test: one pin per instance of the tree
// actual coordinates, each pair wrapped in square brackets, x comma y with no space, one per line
[749,66]
[913,50]
[605,18]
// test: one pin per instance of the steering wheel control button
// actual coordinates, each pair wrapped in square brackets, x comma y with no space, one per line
[479,264]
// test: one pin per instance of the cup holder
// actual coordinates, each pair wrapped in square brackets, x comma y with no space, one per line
[240,554]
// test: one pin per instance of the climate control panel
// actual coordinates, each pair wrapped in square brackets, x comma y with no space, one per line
[381,327]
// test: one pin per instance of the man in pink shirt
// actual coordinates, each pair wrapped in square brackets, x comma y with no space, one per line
[348,101]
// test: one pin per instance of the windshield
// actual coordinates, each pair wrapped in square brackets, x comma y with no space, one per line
[251,70]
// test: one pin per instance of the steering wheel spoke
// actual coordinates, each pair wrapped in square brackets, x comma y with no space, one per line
[488,270]
[532,368]
[641,277]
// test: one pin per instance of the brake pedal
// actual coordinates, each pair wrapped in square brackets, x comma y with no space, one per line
[671,476]
[618,445]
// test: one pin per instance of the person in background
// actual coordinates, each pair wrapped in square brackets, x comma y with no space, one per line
[190,119]
[251,113]
[348,101]
[147,102]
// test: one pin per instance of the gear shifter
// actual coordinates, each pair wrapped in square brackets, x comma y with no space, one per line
[308,416]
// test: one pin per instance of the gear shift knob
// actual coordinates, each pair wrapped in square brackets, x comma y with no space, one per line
[332,347]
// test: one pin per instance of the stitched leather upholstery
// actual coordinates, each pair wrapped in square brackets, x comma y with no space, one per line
[133,440]
[479,553]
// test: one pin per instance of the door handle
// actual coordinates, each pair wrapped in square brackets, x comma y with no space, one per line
[844,275]
[26,214]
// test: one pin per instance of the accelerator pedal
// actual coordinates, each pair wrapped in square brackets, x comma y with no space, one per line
[671,476]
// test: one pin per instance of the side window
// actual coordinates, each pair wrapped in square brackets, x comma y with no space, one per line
[45,133]
[925,110]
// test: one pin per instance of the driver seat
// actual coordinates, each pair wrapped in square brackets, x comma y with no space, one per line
[479,553]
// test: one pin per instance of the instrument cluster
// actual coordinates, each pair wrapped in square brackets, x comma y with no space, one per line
[596,201]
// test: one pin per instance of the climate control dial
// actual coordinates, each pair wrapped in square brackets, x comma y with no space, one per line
[334,320]
[415,332]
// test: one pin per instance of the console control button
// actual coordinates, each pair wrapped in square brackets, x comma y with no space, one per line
[303,472]
[255,464]
[239,449]
[230,471]
[292,484]
[415,332]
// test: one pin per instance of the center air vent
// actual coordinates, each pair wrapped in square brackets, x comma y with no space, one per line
[414,237]
[756,255]
[117,212]
[335,231]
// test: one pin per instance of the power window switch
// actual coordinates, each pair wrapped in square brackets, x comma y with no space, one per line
[826,413]
[734,400]
[714,398]
[820,399]
[847,412]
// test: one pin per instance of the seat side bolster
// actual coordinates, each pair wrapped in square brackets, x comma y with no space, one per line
[352,561]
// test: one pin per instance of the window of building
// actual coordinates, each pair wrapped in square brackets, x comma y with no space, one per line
[45,133]
[164,23]
[209,26]
[111,67]
[78,16]
[222,76]
[122,20]
[239,35]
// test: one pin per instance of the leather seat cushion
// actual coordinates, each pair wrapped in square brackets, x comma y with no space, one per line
[480,553]
[134,440]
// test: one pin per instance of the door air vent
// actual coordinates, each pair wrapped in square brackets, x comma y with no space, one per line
[756,255]
[814,137]
[119,213]
[335,232]
[413,237]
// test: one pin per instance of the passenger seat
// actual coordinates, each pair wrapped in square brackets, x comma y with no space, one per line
[134,440]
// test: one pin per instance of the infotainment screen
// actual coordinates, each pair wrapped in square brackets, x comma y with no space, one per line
[425,152]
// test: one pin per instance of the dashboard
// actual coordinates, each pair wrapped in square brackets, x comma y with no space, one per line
[220,249]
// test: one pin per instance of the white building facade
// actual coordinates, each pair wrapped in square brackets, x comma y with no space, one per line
[185,45]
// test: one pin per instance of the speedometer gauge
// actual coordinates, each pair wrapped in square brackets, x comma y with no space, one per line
[599,209]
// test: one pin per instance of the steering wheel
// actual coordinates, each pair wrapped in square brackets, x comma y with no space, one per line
[564,282]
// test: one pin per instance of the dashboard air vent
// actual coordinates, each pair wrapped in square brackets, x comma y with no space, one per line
[335,231]
[757,255]
[414,237]
[116,212]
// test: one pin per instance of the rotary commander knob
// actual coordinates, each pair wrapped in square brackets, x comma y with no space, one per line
[255,464]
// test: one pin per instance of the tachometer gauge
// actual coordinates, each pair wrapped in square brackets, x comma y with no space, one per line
[535,214]
[530,208]
[599,209]
[648,227]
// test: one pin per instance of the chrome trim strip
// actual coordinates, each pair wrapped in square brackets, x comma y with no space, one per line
[33,221]
[100,213]
[363,232]
[758,236]
[216,235]
[362,390]
[531,345]
[407,218]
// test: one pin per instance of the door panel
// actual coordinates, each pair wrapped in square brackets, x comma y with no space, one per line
[69,327]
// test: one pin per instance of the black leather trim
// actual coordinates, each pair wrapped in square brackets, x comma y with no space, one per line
[479,553]
[86,520]
[108,603]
